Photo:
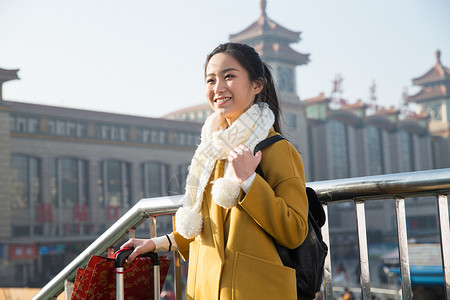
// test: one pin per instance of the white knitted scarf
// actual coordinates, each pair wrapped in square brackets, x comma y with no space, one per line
[216,142]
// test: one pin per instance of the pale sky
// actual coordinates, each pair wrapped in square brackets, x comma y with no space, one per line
[145,57]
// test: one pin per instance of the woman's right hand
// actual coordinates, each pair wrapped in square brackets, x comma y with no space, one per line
[140,246]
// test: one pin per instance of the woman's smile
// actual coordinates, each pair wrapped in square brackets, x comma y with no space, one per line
[222,100]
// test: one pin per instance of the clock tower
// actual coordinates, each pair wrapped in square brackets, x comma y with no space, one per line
[434,97]
[272,41]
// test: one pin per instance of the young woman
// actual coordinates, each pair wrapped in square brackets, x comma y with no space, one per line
[231,217]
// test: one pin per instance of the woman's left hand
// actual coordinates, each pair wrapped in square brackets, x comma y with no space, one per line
[243,162]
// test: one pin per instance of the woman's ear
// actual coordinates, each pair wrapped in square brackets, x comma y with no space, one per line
[257,86]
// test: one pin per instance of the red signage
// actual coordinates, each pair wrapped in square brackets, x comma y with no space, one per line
[81,212]
[44,212]
[22,252]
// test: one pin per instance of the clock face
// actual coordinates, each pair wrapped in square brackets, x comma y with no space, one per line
[285,79]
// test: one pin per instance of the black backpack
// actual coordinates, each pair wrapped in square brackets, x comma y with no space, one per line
[308,259]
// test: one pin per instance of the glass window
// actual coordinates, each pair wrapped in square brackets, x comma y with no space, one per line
[24,124]
[146,136]
[155,179]
[67,128]
[21,124]
[12,123]
[112,132]
[292,121]
[26,181]
[26,197]
[339,150]
[162,137]
[406,151]
[375,150]
[154,137]
[114,184]
[32,125]
[69,181]
[81,130]
[60,128]
[19,171]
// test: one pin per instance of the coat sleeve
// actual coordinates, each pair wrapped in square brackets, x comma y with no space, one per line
[280,204]
[183,245]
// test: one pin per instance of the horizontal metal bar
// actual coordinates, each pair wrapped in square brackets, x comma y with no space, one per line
[420,183]
[135,216]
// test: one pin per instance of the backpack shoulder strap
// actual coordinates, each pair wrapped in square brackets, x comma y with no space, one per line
[263,144]
[267,142]
[317,212]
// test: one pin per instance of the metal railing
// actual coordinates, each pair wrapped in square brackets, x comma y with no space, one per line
[358,190]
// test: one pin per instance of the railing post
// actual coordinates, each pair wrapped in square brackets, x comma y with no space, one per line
[68,289]
[110,252]
[363,252]
[328,287]
[176,269]
[152,227]
[445,241]
[403,248]
[131,233]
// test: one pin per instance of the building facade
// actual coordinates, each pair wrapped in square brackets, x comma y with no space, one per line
[68,174]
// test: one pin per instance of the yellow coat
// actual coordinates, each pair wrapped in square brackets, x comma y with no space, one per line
[235,257]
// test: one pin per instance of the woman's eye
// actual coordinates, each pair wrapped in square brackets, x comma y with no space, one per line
[228,76]
[209,81]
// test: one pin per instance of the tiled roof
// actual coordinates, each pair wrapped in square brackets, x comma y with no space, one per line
[357,105]
[438,73]
[267,28]
[6,75]
[431,92]
[275,51]
[321,98]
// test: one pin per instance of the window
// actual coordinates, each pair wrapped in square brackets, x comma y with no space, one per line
[25,194]
[406,151]
[112,132]
[434,109]
[151,136]
[26,181]
[317,111]
[67,128]
[375,150]
[155,178]
[69,182]
[114,184]
[285,79]
[340,164]
[25,124]
[69,191]
[292,121]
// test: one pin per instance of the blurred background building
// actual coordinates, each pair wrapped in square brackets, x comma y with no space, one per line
[68,174]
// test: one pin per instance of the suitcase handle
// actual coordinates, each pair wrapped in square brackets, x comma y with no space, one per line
[122,254]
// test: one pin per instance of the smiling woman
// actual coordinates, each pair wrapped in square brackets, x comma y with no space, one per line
[231,217]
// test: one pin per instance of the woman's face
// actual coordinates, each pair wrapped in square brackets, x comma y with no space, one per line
[228,87]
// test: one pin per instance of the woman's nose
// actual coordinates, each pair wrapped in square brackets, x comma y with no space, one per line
[219,87]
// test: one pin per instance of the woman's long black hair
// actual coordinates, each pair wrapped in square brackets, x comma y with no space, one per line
[257,70]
